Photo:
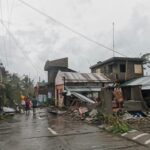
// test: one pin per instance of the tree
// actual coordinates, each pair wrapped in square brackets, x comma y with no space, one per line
[12,87]
[27,86]
[146,58]
[146,62]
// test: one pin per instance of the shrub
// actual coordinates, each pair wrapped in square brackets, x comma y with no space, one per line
[114,123]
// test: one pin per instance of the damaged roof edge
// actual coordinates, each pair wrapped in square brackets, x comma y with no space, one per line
[62,62]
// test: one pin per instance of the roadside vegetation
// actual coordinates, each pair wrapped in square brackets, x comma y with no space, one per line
[114,123]
[12,86]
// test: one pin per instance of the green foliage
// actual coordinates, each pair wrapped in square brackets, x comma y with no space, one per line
[115,123]
[14,87]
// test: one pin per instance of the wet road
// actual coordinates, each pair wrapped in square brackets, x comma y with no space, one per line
[49,132]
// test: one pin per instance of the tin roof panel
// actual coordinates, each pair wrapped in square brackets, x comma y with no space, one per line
[144,81]
[84,77]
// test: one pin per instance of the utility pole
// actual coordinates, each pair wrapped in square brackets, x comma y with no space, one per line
[113,40]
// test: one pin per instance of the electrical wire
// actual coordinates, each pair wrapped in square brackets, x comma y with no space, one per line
[69,28]
[20,48]
[10,7]
[3,32]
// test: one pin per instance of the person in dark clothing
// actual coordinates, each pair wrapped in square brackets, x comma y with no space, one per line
[34,105]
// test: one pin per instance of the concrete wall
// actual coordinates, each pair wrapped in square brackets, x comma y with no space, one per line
[106,98]
[136,93]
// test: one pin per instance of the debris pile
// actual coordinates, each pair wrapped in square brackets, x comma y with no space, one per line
[138,120]
[86,112]
[79,109]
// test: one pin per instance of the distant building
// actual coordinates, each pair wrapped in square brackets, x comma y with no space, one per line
[41,91]
[52,67]
[120,69]
[78,84]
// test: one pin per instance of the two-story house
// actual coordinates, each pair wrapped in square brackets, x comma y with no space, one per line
[120,69]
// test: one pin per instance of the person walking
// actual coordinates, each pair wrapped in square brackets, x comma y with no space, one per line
[34,105]
[27,106]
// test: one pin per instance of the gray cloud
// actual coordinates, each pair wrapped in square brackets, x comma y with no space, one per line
[47,40]
[134,38]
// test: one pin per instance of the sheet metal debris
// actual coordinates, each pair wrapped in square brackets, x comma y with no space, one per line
[82,97]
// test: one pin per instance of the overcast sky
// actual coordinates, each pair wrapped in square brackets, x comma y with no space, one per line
[28,39]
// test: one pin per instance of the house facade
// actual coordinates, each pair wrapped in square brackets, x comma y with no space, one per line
[120,69]
[70,84]
[52,68]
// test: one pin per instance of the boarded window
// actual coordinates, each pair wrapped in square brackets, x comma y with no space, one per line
[137,69]
[122,68]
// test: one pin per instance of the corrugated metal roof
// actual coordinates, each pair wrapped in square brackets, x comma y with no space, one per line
[143,81]
[82,97]
[146,87]
[83,89]
[84,77]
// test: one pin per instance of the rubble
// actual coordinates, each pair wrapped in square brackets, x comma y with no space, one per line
[93,113]
[86,113]
[127,116]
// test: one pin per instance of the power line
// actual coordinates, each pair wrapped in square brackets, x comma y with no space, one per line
[3,32]
[69,28]
[10,5]
[20,48]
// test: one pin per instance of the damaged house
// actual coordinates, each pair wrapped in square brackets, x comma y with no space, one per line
[83,86]
[137,89]
[120,69]
[134,87]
